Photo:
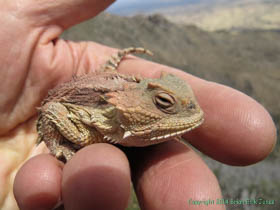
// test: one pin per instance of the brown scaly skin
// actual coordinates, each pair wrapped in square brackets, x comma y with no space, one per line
[115,108]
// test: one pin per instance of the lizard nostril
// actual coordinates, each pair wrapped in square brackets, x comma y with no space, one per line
[191,105]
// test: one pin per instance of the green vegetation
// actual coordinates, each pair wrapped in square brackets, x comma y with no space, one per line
[133,203]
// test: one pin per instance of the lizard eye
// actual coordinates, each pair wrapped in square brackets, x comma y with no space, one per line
[165,102]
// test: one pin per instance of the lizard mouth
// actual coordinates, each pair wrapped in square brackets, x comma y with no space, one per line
[177,133]
[165,132]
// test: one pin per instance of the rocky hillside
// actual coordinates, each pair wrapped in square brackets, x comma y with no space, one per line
[228,15]
[246,60]
[210,15]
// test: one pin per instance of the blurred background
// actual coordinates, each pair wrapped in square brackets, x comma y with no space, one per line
[236,43]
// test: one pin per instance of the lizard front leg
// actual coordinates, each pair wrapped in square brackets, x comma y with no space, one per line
[54,140]
[68,125]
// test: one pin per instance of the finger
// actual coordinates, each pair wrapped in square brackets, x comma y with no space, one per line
[98,177]
[237,130]
[62,13]
[171,176]
[38,183]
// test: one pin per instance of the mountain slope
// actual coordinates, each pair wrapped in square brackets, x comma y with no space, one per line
[209,14]
[228,15]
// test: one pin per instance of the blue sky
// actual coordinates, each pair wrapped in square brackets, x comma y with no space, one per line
[126,7]
[131,7]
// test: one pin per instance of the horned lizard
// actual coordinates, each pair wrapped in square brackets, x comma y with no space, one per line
[110,107]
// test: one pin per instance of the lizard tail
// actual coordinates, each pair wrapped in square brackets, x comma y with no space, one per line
[114,61]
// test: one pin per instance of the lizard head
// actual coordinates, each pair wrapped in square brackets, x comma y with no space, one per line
[155,110]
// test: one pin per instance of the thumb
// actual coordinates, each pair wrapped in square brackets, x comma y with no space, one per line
[31,57]
[63,13]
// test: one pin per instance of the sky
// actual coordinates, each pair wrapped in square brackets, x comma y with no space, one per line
[127,7]
[132,7]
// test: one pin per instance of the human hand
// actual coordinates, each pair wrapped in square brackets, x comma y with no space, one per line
[237,130]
